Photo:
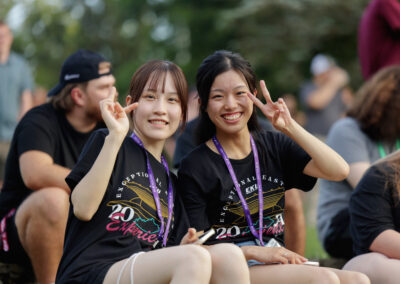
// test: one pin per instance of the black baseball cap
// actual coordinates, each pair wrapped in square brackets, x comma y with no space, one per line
[81,66]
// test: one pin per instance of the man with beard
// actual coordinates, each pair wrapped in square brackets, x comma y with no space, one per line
[34,200]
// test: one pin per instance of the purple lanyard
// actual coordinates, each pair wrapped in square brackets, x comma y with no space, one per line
[239,192]
[153,187]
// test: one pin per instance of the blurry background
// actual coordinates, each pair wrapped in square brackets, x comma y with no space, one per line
[278,37]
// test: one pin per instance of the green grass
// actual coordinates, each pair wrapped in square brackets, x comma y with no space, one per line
[314,249]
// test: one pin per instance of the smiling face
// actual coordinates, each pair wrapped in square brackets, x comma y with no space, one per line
[228,106]
[159,112]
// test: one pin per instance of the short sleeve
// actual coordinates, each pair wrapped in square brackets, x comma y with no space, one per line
[348,141]
[305,92]
[294,159]
[87,158]
[27,82]
[35,134]
[370,209]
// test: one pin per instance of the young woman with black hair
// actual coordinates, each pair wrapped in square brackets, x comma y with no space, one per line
[125,213]
[235,180]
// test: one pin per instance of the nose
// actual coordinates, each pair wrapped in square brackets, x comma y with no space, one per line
[160,105]
[230,101]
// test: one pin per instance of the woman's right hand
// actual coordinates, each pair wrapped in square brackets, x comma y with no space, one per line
[114,115]
[270,255]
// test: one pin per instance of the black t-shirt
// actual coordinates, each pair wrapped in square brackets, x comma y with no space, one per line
[373,208]
[43,129]
[210,197]
[126,221]
[185,142]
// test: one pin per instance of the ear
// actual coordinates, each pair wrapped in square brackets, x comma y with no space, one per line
[77,96]
[255,92]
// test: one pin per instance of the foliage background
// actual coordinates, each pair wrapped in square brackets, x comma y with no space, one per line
[278,37]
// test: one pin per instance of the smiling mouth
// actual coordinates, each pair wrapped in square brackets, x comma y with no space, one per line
[158,122]
[232,116]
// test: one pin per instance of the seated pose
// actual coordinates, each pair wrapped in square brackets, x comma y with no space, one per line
[124,207]
[235,181]
[367,134]
[375,222]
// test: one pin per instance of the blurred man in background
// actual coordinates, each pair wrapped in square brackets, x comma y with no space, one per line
[16,85]
[47,142]
[325,98]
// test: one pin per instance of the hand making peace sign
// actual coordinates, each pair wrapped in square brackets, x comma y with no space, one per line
[277,112]
[114,115]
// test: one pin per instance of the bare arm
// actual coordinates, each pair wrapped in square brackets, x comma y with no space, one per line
[88,193]
[387,243]
[26,103]
[325,162]
[357,170]
[39,171]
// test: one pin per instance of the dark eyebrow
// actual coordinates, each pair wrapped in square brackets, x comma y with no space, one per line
[237,87]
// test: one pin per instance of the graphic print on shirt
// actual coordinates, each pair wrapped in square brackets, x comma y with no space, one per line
[273,205]
[134,212]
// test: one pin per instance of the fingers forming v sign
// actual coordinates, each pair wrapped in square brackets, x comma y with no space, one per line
[276,112]
[114,115]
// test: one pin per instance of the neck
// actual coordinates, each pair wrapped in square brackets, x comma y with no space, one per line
[154,147]
[237,145]
[79,121]
[4,54]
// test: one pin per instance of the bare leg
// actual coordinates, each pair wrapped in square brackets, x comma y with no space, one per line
[228,264]
[378,267]
[180,264]
[41,220]
[295,222]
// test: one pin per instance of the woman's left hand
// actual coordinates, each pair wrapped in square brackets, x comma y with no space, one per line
[190,237]
[277,112]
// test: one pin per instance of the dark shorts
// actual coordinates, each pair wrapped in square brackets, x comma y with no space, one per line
[338,242]
[11,250]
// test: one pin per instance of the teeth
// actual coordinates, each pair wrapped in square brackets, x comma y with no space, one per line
[232,116]
[159,122]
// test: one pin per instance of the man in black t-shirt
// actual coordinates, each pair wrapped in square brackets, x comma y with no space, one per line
[34,200]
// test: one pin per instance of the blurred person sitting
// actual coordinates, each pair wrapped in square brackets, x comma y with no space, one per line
[34,200]
[16,84]
[376,233]
[325,98]
[369,132]
[379,36]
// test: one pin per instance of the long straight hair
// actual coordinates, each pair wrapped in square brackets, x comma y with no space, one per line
[217,63]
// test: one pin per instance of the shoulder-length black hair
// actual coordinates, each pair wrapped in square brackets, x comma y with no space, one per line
[217,63]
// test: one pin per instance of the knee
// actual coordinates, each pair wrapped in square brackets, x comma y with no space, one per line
[49,205]
[54,205]
[326,276]
[358,278]
[196,259]
[227,255]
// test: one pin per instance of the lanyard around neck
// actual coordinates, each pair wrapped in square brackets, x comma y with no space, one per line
[153,187]
[246,209]
[382,152]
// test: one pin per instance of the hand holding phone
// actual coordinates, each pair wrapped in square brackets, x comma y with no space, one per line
[204,237]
